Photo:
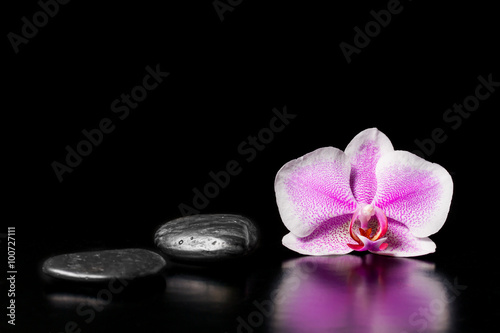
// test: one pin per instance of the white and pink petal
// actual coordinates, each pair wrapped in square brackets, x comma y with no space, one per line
[313,189]
[364,151]
[413,191]
[401,242]
[331,237]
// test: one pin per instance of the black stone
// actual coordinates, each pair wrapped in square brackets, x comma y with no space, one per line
[207,237]
[100,266]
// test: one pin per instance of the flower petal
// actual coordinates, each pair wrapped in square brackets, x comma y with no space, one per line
[314,188]
[403,244]
[331,237]
[364,151]
[413,191]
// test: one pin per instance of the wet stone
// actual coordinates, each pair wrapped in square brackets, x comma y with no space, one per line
[106,265]
[207,237]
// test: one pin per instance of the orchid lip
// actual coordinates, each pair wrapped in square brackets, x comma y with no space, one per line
[363,213]
[370,245]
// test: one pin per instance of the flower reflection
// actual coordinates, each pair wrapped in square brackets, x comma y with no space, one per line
[360,294]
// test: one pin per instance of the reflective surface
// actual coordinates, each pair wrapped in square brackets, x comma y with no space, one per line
[361,294]
[350,293]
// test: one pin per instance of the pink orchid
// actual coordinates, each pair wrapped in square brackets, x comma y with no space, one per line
[370,197]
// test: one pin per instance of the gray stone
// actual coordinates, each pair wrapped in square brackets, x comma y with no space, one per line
[207,237]
[99,266]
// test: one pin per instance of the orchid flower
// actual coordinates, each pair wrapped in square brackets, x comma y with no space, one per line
[369,197]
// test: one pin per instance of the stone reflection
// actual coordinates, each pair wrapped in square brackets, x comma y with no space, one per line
[360,294]
[200,289]
[190,296]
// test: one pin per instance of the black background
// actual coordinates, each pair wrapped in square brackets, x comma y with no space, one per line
[225,79]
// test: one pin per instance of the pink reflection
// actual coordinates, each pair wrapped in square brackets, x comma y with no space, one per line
[360,294]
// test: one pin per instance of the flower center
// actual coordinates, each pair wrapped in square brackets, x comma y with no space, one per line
[365,240]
